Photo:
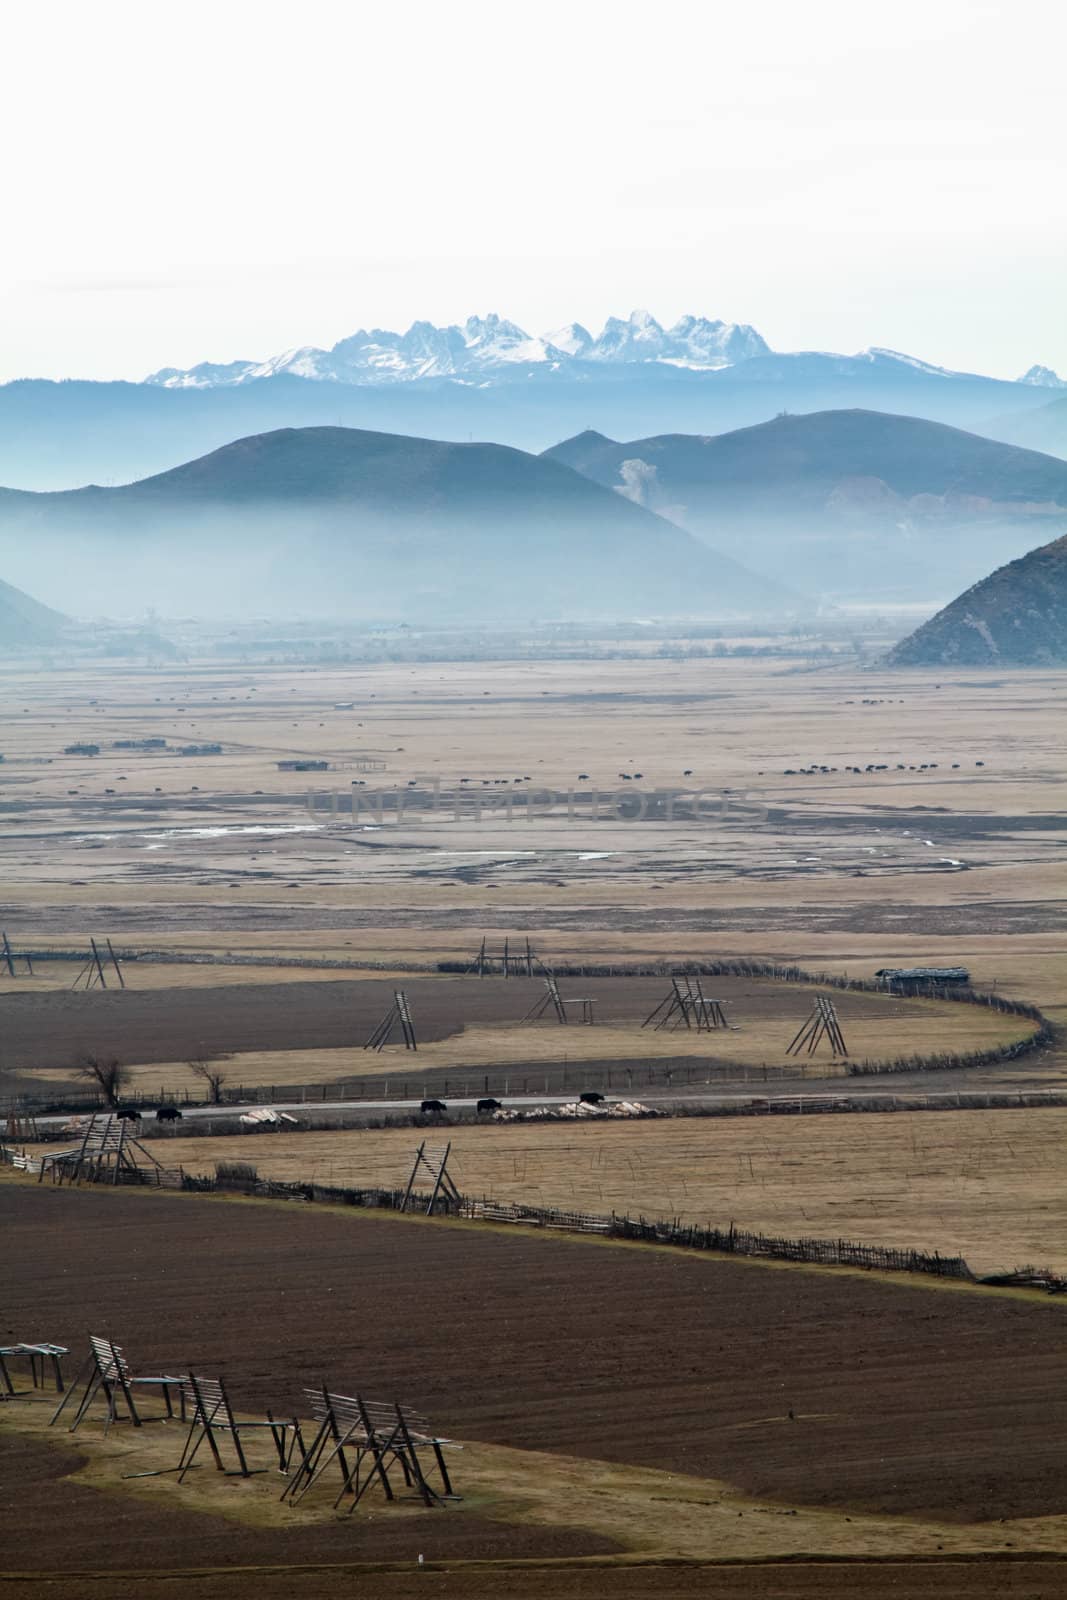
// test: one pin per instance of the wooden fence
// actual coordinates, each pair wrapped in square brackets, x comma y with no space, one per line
[728,1241]
[520,1078]
[685,1236]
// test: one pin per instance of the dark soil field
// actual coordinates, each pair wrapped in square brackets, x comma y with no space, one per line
[1019,1579]
[814,1389]
[142,1024]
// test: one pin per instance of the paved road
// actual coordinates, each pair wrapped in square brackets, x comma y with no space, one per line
[229,1113]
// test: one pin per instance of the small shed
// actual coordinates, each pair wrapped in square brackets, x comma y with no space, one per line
[912,980]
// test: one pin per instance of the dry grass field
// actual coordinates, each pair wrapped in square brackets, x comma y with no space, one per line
[844,870]
[465,1025]
[991,1186]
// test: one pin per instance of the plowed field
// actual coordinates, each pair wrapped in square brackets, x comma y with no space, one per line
[818,1389]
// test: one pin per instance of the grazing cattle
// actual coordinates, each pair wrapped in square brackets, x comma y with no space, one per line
[168,1114]
[127,1114]
[591,1097]
[433,1108]
[488,1104]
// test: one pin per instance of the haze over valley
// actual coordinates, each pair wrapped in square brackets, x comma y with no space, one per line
[487,379]
[533,865]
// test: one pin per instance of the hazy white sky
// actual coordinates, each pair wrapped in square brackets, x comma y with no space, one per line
[196,180]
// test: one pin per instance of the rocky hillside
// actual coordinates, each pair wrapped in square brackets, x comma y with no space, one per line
[1017,617]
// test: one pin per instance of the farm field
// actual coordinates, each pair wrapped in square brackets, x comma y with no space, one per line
[988,1185]
[583,1349]
[617,1402]
[297,1032]
[839,871]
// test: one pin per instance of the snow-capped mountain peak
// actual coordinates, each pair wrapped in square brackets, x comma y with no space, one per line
[572,340]
[1043,378]
[638,338]
[492,339]
[377,355]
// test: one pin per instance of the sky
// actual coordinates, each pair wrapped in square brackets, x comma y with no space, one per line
[190,181]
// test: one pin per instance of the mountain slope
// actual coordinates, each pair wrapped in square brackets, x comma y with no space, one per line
[59,435]
[1043,428]
[1016,617]
[344,522]
[23,620]
[851,501]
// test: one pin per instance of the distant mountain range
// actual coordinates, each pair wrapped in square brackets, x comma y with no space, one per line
[491,348]
[849,504]
[1044,428]
[337,522]
[487,379]
[24,621]
[486,346]
[1016,617]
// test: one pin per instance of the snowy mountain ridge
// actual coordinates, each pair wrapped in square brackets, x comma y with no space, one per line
[490,351]
[484,345]
[1043,378]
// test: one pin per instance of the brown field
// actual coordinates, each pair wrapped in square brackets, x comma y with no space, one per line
[991,1185]
[297,1032]
[1005,1577]
[808,1389]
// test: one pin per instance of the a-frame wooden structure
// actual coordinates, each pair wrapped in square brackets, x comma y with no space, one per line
[687,1006]
[364,1440]
[431,1163]
[821,1024]
[91,975]
[7,958]
[509,960]
[107,1151]
[398,1015]
[552,999]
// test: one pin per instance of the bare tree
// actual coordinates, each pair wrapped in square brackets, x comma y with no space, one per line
[211,1073]
[108,1074]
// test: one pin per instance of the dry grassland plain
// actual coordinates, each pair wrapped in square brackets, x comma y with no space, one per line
[465,1025]
[991,1186]
[842,871]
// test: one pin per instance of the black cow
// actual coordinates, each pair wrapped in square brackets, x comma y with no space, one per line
[489,1104]
[433,1108]
[590,1098]
[127,1114]
[168,1114]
